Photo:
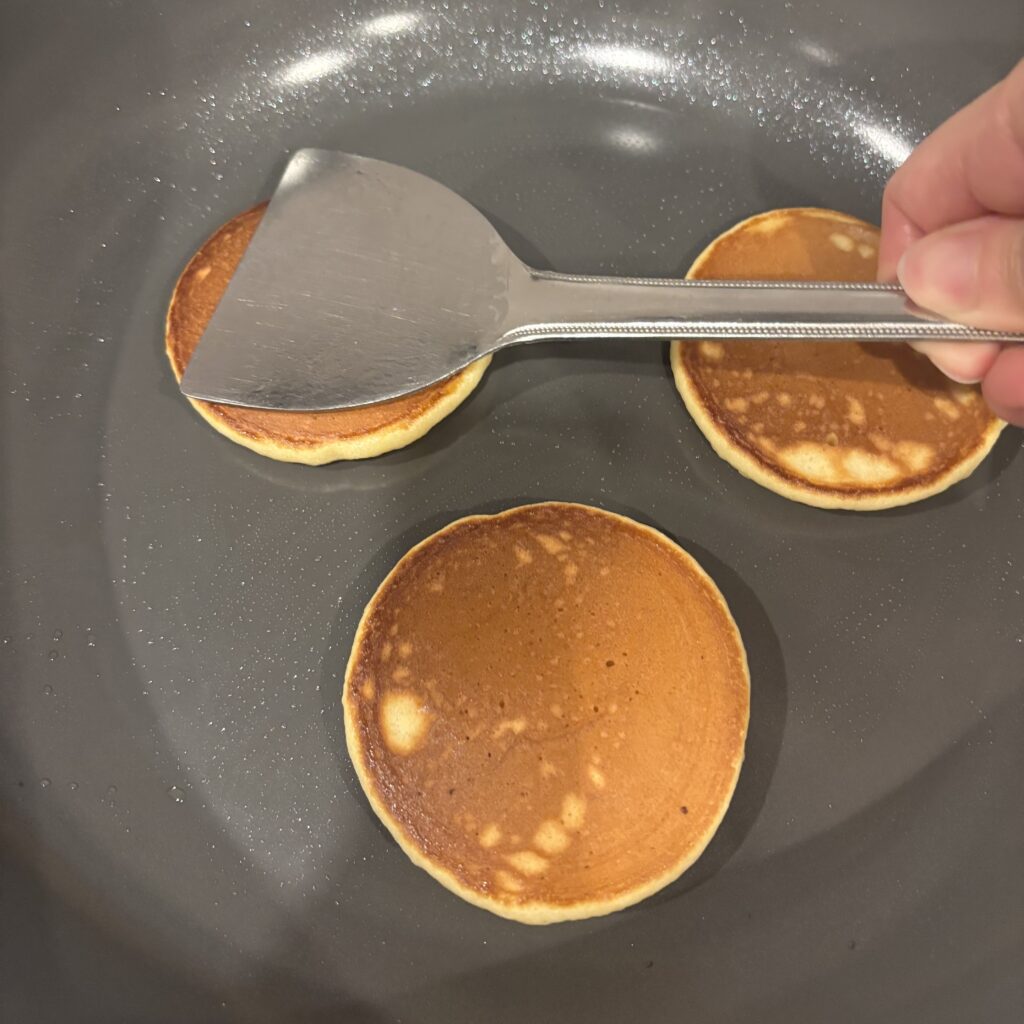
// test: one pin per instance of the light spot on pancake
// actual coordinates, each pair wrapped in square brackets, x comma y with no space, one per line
[832,439]
[404,649]
[868,467]
[843,242]
[784,398]
[712,350]
[203,272]
[508,881]
[565,535]
[811,460]
[867,251]
[760,398]
[596,776]
[855,412]
[547,769]
[404,721]
[527,862]
[816,401]
[523,557]
[436,586]
[799,427]
[513,725]
[556,710]
[393,629]
[552,545]
[883,444]
[574,810]
[368,690]
[736,404]
[550,838]
[965,395]
[916,456]
[571,569]
[947,408]
[385,652]
[605,570]
[490,836]
[400,674]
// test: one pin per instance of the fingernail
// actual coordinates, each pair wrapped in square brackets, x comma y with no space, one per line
[961,379]
[942,272]
[966,363]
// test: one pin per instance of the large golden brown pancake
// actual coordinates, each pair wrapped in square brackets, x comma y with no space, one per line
[832,424]
[310,437]
[548,708]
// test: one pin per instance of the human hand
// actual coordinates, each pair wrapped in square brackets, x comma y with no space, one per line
[953,235]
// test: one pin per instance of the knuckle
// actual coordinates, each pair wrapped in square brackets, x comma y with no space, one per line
[1011,106]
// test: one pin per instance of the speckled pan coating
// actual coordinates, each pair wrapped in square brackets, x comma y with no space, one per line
[182,834]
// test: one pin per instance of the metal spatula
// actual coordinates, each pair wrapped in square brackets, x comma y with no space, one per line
[366,281]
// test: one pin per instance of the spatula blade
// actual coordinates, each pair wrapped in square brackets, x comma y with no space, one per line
[364,281]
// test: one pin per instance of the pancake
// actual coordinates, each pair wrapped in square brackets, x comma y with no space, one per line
[547,708]
[310,437]
[833,424]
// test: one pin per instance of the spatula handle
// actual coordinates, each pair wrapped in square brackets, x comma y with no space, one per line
[563,305]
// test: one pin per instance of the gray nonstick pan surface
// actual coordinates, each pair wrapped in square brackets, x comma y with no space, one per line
[182,834]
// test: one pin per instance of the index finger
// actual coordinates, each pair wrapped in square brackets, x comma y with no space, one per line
[970,165]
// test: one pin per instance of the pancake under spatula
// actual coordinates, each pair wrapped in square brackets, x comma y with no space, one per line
[833,424]
[548,708]
[313,438]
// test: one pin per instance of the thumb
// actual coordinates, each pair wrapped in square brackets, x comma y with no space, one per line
[1004,385]
[972,272]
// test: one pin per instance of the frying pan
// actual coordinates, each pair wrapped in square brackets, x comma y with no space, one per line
[182,834]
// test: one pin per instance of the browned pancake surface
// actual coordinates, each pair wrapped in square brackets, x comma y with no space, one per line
[200,288]
[548,708]
[842,417]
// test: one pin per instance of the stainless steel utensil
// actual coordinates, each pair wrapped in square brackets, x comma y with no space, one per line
[366,281]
